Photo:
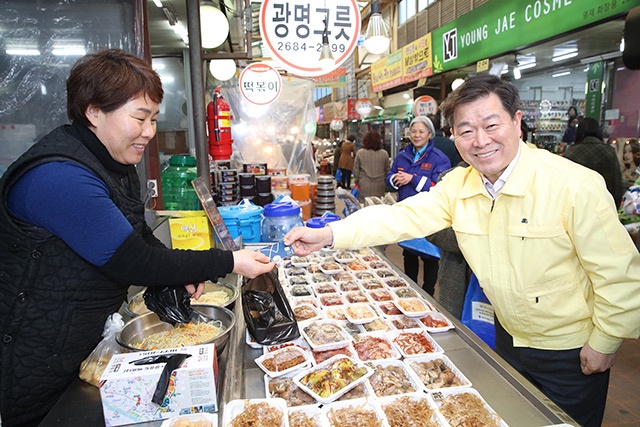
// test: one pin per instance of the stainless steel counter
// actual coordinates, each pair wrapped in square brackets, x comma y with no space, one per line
[517,401]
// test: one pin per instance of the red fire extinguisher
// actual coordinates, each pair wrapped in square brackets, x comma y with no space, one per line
[219,125]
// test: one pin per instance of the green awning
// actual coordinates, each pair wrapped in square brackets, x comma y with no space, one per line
[397,112]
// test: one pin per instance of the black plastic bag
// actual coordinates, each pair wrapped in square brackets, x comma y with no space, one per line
[172,304]
[267,313]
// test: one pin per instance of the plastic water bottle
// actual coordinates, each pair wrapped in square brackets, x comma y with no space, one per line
[177,191]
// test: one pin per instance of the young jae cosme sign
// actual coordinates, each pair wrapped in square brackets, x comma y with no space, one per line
[503,25]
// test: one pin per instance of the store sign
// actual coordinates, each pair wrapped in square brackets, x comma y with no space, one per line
[336,78]
[417,59]
[593,98]
[425,105]
[503,25]
[292,31]
[260,83]
[336,124]
[387,72]
[482,65]
[364,106]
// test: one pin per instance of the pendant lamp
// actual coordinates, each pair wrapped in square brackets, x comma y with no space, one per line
[376,39]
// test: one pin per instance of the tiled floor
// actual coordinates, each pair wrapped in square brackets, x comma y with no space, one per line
[623,403]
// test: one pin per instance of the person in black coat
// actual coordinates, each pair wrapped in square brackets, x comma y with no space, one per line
[591,151]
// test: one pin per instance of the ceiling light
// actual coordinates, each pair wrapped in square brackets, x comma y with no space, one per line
[376,38]
[223,69]
[68,50]
[622,45]
[158,3]
[457,83]
[526,66]
[603,57]
[565,56]
[214,26]
[23,51]
[560,74]
[326,57]
[516,73]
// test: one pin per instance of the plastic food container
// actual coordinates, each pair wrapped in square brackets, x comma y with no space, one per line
[392,377]
[404,404]
[202,420]
[361,406]
[376,345]
[429,369]
[464,395]
[414,342]
[324,380]
[279,218]
[237,408]
[283,361]
[321,221]
[413,307]
[325,335]
[284,388]
[360,313]
[243,219]
[436,322]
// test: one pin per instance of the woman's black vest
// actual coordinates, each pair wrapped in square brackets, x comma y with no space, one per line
[53,303]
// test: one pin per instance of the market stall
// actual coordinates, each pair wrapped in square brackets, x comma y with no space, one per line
[513,398]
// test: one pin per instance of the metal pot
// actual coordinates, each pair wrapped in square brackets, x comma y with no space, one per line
[135,306]
[140,327]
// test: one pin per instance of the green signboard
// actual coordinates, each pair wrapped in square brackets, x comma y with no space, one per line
[503,25]
[594,90]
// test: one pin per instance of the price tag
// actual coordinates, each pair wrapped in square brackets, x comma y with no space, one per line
[260,83]
[292,31]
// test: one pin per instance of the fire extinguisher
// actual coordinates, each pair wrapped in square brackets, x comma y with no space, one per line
[219,125]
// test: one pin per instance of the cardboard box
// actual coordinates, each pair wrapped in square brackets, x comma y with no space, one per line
[190,230]
[126,389]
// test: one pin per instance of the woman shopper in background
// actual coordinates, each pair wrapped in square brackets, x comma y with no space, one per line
[347,159]
[75,238]
[370,167]
[415,169]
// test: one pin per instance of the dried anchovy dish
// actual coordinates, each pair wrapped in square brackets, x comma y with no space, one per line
[407,412]
[353,416]
[466,409]
[300,419]
[258,415]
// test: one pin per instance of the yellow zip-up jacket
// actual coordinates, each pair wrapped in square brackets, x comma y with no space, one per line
[550,253]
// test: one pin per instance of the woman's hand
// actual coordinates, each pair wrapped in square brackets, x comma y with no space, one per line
[194,290]
[305,240]
[251,263]
[402,178]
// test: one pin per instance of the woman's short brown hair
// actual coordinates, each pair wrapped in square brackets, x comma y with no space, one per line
[108,80]
[372,141]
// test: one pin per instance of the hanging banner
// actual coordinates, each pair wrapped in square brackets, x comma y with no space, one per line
[292,31]
[417,59]
[500,26]
[593,100]
[260,83]
[387,72]
[364,106]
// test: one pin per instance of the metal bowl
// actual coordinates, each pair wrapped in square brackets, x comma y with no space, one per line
[136,306]
[140,327]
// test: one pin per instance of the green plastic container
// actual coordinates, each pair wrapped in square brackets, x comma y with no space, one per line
[177,191]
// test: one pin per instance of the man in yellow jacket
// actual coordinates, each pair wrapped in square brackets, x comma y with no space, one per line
[541,234]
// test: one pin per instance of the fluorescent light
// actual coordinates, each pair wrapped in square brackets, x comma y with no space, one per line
[565,56]
[23,51]
[158,3]
[68,50]
[603,57]
[527,66]
[622,45]
[560,74]
[516,73]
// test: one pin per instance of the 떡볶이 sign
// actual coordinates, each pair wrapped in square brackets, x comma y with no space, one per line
[260,83]
[293,29]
